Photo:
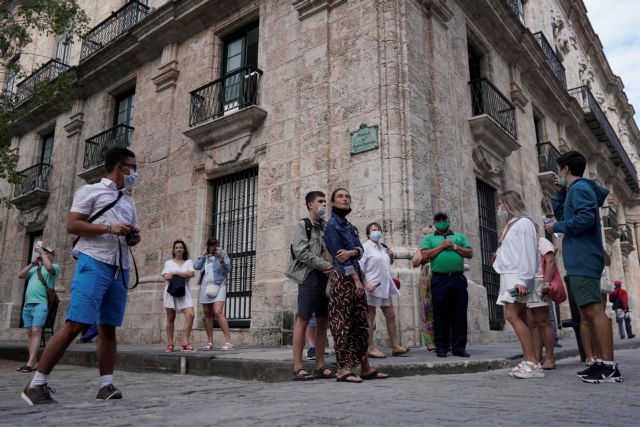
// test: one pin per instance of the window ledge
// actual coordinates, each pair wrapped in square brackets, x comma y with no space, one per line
[30,200]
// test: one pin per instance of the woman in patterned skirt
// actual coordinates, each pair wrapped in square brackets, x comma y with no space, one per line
[424,306]
[347,302]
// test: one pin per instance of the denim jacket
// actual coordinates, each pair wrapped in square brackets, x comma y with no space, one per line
[340,234]
[220,269]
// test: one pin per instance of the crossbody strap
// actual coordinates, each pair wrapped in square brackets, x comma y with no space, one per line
[506,230]
[41,277]
[98,215]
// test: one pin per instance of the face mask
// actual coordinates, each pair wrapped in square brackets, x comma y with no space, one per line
[502,214]
[376,235]
[441,225]
[131,179]
[322,211]
[562,180]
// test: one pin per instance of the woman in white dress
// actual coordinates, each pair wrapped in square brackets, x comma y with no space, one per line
[181,266]
[376,267]
[517,262]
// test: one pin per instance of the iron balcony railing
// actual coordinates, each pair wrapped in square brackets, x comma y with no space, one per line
[604,132]
[552,59]
[98,145]
[109,29]
[487,99]
[49,71]
[516,5]
[626,236]
[548,156]
[610,218]
[32,178]
[229,93]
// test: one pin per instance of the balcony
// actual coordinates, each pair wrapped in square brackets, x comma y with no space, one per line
[226,108]
[548,156]
[96,147]
[32,190]
[626,239]
[602,129]
[518,10]
[108,30]
[47,72]
[610,224]
[552,59]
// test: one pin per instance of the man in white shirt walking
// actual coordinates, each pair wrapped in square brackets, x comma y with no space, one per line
[104,216]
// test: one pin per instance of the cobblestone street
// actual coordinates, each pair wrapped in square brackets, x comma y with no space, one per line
[489,398]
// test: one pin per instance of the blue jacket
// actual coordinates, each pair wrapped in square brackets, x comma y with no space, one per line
[340,234]
[578,217]
[220,269]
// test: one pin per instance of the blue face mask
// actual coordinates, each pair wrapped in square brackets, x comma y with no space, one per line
[376,235]
[562,180]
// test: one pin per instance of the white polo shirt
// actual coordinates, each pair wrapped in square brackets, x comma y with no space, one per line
[88,200]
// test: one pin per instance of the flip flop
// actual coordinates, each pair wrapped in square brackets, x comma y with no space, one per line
[25,368]
[375,375]
[345,378]
[207,347]
[188,347]
[398,353]
[299,376]
[320,373]
[378,355]
[169,349]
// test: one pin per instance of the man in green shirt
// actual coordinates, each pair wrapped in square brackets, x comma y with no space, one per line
[446,251]
[39,272]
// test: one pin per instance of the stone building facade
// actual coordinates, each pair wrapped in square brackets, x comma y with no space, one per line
[236,109]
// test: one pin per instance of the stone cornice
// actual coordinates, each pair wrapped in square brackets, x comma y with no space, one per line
[438,9]
[308,8]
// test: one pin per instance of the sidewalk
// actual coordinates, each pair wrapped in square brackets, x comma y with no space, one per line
[275,364]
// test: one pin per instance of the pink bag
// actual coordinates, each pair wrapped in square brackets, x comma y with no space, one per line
[556,290]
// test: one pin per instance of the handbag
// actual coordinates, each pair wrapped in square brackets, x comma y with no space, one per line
[177,286]
[556,287]
[212,290]
[52,296]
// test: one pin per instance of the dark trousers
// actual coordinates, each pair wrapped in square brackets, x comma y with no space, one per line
[449,299]
[627,324]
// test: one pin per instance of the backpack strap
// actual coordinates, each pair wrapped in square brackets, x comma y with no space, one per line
[308,226]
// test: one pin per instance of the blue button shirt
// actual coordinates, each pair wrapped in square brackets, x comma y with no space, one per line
[220,269]
[341,234]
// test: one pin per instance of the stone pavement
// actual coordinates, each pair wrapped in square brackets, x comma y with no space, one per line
[479,399]
[275,364]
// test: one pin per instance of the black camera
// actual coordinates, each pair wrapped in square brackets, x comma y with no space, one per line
[131,237]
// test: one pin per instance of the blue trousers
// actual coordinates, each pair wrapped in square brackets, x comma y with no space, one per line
[450,300]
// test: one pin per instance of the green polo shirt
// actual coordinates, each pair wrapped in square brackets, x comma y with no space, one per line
[447,261]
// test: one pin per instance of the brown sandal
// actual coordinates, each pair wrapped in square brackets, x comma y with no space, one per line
[321,373]
[345,378]
[302,375]
[374,375]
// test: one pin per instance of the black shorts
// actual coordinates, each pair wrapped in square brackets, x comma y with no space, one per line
[312,297]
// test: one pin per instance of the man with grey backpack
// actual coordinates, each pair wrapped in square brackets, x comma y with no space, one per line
[310,270]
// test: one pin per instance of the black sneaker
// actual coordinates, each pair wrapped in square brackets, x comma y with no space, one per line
[38,395]
[108,392]
[311,353]
[603,373]
[589,371]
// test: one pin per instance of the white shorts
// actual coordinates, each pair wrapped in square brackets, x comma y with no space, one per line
[537,300]
[509,281]
[375,301]
[178,303]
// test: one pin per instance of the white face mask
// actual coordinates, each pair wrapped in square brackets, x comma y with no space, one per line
[502,214]
[131,179]
[376,235]
[322,211]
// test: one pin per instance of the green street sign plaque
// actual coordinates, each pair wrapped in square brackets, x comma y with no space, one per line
[364,139]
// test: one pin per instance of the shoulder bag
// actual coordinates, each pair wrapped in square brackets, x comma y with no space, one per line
[177,286]
[52,296]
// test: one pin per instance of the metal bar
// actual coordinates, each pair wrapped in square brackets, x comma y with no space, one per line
[487,99]
[548,156]
[552,59]
[96,146]
[33,178]
[47,72]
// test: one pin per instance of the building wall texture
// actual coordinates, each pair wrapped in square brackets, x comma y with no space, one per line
[328,66]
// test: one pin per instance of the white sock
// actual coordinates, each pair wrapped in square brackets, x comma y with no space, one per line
[608,362]
[105,380]
[38,379]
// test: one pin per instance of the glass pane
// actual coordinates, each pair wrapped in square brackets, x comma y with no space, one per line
[47,149]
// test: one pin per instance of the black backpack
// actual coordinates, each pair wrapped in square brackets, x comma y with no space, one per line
[307,227]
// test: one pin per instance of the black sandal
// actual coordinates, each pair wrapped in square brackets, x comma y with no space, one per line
[374,375]
[345,378]
[298,376]
[320,373]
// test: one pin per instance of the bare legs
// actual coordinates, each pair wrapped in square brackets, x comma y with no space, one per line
[390,318]
[58,345]
[34,336]
[600,327]
[541,334]
[216,309]
[515,314]
[189,315]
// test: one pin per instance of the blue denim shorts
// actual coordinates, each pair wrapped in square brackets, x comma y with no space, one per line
[34,315]
[96,295]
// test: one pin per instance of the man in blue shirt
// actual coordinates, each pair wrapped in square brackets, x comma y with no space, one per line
[576,206]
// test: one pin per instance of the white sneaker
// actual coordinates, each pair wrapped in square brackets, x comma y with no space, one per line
[227,346]
[528,370]
[515,369]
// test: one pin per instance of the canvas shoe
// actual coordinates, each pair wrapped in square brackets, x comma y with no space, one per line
[38,395]
[528,370]
[603,373]
[108,392]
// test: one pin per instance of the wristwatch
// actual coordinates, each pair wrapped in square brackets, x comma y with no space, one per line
[455,248]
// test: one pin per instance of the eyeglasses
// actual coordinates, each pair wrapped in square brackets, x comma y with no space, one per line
[131,165]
